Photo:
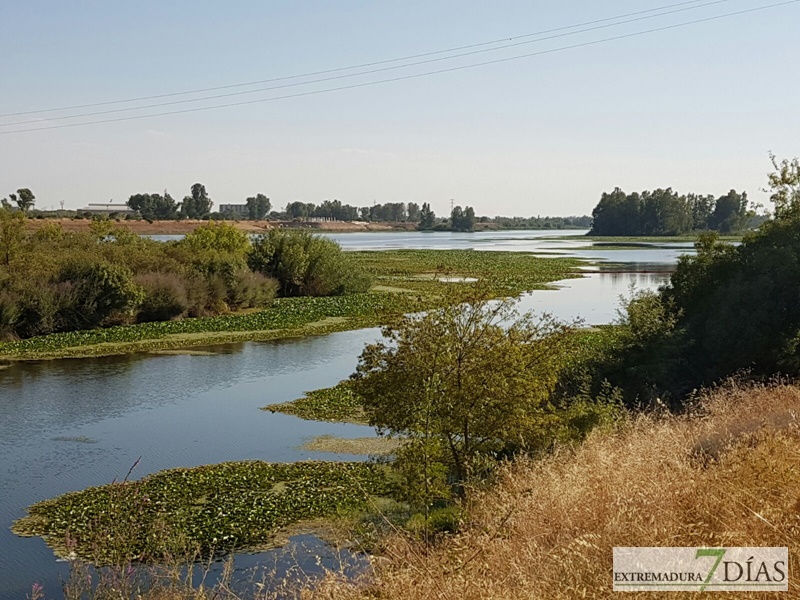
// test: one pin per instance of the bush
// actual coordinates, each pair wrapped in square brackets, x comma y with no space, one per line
[102,289]
[306,265]
[165,297]
[250,290]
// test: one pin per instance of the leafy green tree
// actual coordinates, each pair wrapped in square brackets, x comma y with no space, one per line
[298,210]
[730,212]
[198,205]
[617,214]
[427,218]
[462,219]
[100,290]
[257,207]
[218,236]
[154,207]
[24,199]
[474,377]
[784,183]
[12,234]
[413,212]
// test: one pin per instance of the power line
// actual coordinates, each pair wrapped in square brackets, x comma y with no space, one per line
[415,75]
[372,71]
[339,69]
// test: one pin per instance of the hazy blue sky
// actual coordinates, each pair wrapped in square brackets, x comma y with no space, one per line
[695,108]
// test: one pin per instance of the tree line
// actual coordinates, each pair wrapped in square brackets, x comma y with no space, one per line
[664,212]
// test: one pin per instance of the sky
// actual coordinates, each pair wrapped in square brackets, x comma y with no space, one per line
[696,108]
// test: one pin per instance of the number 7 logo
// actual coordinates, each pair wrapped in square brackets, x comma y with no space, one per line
[703,552]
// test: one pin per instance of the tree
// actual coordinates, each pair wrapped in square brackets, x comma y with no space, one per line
[219,237]
[298,210]
[154,207]
[730,212]
[305,264]
[257,207]
[12,234]
[413,212]
[427,218]
[24,199]
[475,377]
[462,220]
[784,184]
[198,205]
[617,214]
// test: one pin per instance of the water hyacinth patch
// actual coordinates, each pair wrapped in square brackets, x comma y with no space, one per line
[337,404]
[208,509]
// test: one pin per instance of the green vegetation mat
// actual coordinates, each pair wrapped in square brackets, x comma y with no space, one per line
[506,273]
[337,404]
[412,275]
[214,508]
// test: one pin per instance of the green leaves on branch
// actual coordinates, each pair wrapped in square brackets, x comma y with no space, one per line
[471,379]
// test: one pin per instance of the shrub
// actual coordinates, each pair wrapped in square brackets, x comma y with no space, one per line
[218,237]
[165,296]
[102,289]
[249,289]
[306,265]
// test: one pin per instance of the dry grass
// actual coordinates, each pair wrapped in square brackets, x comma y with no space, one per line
[727,476]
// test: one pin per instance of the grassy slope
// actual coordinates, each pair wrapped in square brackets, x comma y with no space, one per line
[546,529]
[407,278]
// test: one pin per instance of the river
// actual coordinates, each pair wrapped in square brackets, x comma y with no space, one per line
[73,423]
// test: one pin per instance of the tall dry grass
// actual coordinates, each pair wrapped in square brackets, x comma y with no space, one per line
[727,475]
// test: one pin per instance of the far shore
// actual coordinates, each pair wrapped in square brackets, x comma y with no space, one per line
[182,227]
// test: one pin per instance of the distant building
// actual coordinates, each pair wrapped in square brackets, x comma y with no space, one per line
[239,209]
[108,208]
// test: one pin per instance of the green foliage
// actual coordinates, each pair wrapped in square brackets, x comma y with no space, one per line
[504,273]
[210,280]
[165,297]
[101,290]
[306,265]
[218,237]
[784,184]
[462,219]
[198,204]
[154,206]
[24,199]
[337,404]
[12,233]
[214,508]
[257,207]
[663,212]
[76,281]
[427,218]
[285,316]
[457,376]
[726,310]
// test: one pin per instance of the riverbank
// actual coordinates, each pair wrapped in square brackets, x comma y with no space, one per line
[405,281]
[725,476]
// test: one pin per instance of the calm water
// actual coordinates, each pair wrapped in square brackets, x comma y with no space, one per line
[69,424]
